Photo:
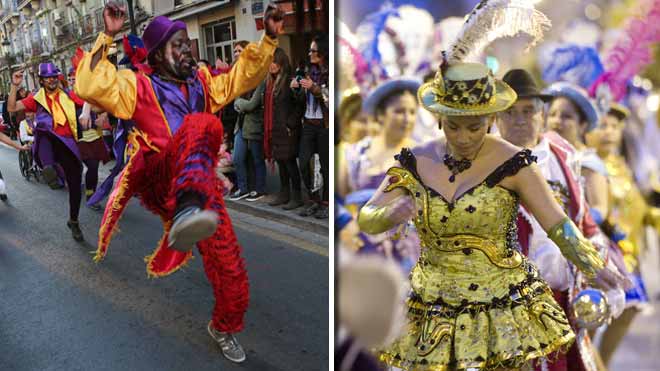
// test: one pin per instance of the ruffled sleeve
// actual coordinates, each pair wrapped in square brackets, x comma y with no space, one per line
[511,167]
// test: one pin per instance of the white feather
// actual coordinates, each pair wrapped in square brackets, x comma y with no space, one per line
[494,19]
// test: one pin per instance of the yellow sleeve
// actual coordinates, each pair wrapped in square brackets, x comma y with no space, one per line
[112,90]
[250,69]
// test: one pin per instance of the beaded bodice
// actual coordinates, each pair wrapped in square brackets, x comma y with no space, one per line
[475,234]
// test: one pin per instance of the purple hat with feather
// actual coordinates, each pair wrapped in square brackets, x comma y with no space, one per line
[159,31]
[48,69]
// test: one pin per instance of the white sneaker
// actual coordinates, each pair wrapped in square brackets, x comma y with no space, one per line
[228,343]
[192,225]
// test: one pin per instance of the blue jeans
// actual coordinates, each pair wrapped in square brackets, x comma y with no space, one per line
[241,147]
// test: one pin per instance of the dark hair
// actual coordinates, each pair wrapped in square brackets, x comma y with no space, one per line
[242,43]
[349,108]
[205,62]
[387,98]
[322,45]
[281,59]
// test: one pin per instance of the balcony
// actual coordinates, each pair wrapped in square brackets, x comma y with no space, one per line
[66,35]
[37,48]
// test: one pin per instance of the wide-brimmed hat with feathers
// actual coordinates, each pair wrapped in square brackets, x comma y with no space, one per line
[461,88]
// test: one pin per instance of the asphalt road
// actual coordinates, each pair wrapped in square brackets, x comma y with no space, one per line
[61,311]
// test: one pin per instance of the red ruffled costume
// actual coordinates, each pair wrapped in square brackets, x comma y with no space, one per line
[156,178]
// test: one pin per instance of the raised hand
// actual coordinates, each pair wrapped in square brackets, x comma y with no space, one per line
[17,77]
[114,16]
[220,64]
[273,21]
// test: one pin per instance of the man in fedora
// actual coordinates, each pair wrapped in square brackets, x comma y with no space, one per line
[55,135]
[523,124]
[172,152]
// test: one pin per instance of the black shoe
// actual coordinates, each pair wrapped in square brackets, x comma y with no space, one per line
[295,202]
[281,199]
[75,230]
[238,195]
[321,212]
[255,196]
[309,211]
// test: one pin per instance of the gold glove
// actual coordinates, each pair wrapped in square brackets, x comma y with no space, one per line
[374,219]
[652,218]
[576,248]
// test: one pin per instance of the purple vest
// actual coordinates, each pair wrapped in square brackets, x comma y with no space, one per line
[44,127]
[174,104]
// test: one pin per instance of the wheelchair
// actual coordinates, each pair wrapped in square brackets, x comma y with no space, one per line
[29,168]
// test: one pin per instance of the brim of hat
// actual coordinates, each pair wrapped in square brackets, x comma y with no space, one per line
[544,97]
[504,98]
[583,102]
[50,75]
[382,90]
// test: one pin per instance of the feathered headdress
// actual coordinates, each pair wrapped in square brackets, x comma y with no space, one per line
[369,32]
[630,54]
[135,54]
[573,63]
[494,19]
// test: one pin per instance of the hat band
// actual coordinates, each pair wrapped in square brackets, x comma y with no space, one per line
[442,99]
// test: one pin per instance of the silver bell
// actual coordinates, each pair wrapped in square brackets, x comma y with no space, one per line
[590,309]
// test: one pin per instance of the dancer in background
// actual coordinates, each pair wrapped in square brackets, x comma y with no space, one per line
[55,135]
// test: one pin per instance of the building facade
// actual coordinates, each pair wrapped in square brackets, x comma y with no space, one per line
[35,31]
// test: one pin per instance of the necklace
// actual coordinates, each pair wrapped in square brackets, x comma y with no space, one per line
[458,166]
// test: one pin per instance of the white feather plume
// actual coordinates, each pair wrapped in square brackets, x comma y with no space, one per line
[494,19]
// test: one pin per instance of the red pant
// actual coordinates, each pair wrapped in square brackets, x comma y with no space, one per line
[188,165]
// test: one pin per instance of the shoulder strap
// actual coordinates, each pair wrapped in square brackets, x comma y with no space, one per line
[407,159]
[510,167]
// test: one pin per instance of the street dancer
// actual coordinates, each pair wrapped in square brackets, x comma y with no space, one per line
[172,153]
[55,135]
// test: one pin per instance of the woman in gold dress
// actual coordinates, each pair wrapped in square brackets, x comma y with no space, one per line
[476,302]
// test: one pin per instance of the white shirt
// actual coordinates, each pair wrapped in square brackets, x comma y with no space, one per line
[23,132]
[310,113]
[552,265]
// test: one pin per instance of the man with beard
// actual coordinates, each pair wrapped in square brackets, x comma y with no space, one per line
[172,153]
[55,135]
[523,125]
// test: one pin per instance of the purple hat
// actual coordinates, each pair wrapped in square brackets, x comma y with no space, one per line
[48,70]
[159,31]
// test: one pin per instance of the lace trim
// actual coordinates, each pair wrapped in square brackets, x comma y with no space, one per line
[409,162]
[510,167]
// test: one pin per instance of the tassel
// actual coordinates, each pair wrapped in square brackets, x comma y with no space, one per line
[494,19]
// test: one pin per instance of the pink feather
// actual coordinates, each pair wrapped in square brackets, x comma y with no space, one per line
[361,66]
[632,52]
